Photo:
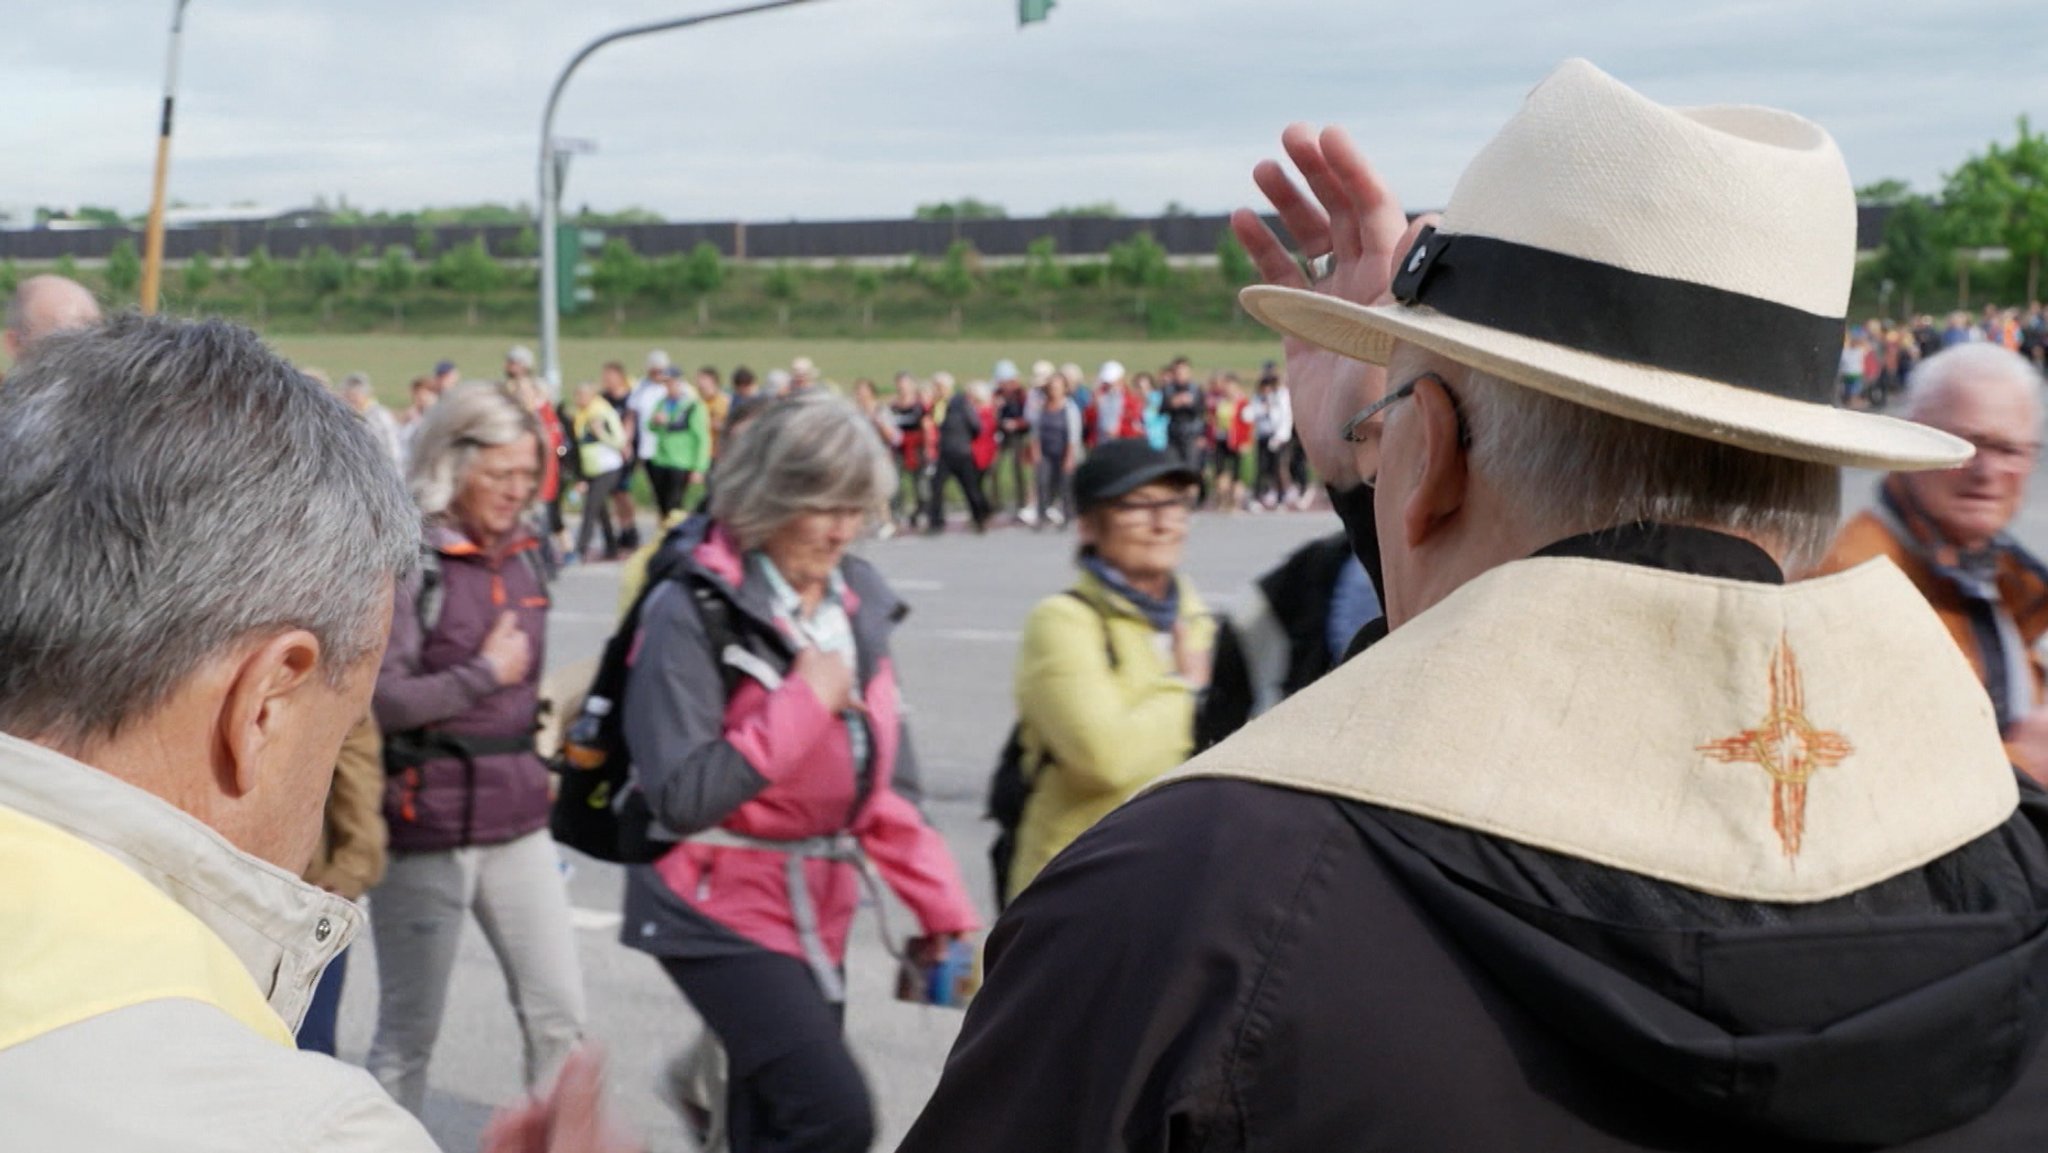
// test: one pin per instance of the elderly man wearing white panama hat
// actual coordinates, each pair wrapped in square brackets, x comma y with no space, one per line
[1611,838]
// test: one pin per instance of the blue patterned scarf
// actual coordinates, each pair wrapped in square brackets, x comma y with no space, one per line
[1162,612]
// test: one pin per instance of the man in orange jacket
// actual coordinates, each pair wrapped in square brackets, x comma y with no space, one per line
[1947,531]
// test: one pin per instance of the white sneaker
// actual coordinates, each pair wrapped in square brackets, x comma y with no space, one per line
[1055,516]
[1027,516]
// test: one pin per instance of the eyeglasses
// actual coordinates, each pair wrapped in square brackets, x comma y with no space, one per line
[1366,433]
[2005,455]
[1170,508]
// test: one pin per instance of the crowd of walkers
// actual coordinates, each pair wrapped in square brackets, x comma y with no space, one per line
[1879,355]
[1609,828]
[1006,447]
[1009,446]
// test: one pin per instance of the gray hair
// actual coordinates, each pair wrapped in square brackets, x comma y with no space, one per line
[467,418]
[226,489]
[355,384]
[1567,469]
[1931,382]
[806,452]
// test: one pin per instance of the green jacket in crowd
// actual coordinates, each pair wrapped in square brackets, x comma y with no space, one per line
[682,434]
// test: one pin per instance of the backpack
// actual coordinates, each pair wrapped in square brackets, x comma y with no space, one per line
[1009,787]
[598,810]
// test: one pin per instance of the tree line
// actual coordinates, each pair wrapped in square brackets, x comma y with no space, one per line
[1132,289]
[1996,199]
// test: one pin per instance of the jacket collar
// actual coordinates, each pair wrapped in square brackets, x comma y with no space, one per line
[1673,548]
[444,537]
[711,553]
[1114,603]
[1975,575]
[1666,547]
[283,930]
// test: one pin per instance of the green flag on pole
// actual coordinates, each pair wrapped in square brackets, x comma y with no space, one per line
[1032,11]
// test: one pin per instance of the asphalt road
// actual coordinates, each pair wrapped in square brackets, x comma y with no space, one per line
[969,595]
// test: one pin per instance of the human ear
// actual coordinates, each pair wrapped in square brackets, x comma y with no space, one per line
[1439,489]
[263,700]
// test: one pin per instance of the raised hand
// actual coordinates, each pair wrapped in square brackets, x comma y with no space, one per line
[1355,220]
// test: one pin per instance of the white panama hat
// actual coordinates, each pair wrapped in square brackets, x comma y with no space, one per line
[1687,268]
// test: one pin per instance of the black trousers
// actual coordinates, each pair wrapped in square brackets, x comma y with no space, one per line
[794,1086]
[1269,482]
[960,467]
[1189,447]
[669,485]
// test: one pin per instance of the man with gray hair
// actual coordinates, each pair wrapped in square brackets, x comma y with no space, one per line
[171,704]
[1947,531]
[42,305]
[1613,838]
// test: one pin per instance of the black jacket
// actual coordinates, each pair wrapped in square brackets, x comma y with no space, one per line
[959,428]
[1226,965]
[1298,593]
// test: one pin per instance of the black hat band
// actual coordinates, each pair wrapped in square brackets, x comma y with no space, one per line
[1675,325]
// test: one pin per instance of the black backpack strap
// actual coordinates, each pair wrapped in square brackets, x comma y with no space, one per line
[433,591]
[715,611]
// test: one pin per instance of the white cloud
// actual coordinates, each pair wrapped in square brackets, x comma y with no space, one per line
[866,107]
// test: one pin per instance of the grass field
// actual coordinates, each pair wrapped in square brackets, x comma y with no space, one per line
[392,361]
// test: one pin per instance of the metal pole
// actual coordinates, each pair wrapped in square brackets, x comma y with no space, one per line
[550,191]
[153,238]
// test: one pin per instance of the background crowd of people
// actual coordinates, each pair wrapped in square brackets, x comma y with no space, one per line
[1878,355]
[1006,447]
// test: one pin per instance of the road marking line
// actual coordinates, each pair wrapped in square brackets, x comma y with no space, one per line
[996,636]
[597,919]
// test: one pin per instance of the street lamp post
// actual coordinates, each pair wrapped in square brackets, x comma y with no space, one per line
[550,177]
[153,238]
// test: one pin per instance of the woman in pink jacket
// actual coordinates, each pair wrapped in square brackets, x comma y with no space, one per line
[765,727]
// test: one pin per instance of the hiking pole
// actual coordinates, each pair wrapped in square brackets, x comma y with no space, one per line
[153,238]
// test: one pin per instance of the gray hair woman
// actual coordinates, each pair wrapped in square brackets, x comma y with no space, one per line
[762,712]
[466,797]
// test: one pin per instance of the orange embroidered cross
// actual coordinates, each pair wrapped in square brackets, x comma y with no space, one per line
[1787,746]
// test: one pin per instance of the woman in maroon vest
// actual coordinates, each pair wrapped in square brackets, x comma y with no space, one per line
[466,797]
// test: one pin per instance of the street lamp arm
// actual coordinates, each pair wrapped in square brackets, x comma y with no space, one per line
[549,319]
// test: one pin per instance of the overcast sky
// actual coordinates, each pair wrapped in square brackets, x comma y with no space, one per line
[865,108]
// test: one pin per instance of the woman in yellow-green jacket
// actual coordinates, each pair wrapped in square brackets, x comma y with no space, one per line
[1109,670]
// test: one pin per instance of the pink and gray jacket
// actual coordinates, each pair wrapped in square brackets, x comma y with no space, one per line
[768,762]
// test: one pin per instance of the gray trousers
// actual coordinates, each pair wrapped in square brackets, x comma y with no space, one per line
[1055,489]
[521,903]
